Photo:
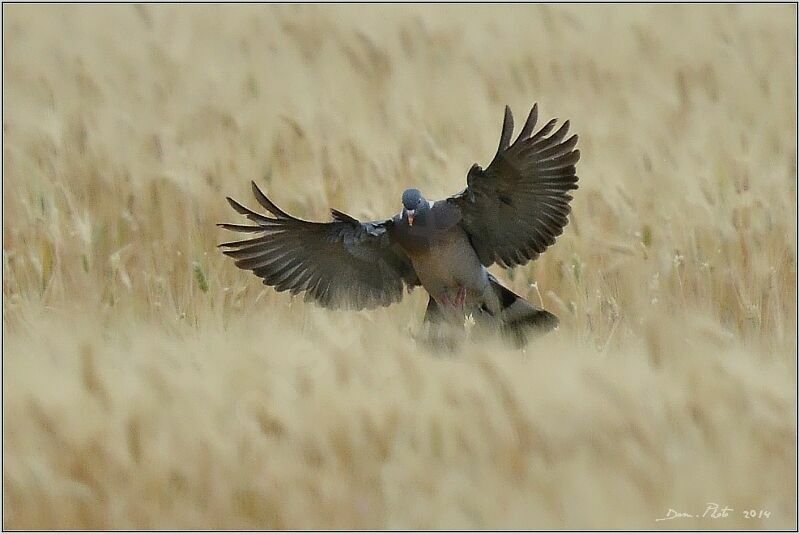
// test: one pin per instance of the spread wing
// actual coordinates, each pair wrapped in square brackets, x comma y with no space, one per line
[340,264]
[517,207]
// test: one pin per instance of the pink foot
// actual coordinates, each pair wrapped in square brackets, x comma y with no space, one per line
[461,296]
[458,301]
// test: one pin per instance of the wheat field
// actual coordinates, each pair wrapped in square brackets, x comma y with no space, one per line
[148,383]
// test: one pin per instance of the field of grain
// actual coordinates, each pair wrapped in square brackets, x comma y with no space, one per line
[148,383]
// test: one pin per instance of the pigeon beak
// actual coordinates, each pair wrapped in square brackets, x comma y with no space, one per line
[410,214]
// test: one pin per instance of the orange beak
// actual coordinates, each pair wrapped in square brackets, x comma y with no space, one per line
[410,214]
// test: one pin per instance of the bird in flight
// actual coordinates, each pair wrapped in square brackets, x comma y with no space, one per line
[508,214]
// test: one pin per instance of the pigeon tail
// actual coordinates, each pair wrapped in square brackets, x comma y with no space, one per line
[519,318]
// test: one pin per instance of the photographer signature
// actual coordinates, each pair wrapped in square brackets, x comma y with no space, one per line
[715,511]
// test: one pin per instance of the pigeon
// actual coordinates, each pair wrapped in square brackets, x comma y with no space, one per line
[508,214]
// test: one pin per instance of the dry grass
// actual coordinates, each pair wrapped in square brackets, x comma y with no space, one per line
[150,384]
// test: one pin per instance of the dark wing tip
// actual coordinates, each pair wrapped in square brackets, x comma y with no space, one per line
[544,130]
[266,203]
[508,129]
[235,205]
[529,123]
[241,227]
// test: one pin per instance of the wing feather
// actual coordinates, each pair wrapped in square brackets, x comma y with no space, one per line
[517,207]
[339,264]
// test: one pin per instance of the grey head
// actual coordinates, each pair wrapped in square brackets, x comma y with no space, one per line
[415,206]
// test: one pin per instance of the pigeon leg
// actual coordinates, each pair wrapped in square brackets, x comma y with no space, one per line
[461,297]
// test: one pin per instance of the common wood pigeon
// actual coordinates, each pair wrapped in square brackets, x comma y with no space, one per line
[508,214]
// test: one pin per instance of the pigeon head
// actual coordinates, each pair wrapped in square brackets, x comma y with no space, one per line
[415,206]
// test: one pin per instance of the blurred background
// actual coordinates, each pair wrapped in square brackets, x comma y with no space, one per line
[148,383]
